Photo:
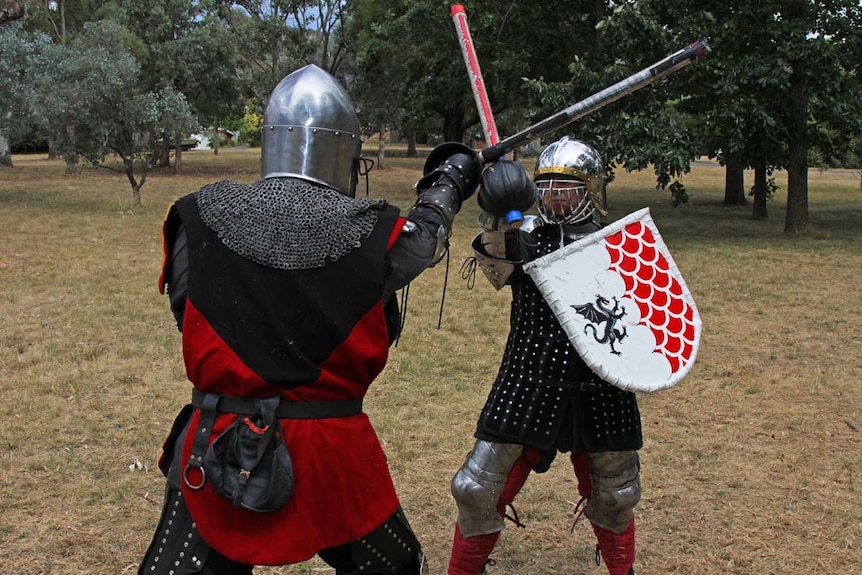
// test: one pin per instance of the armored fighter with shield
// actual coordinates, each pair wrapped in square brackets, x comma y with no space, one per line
[549,396]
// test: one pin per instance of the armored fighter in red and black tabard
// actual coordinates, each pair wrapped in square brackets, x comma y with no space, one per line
[285,293]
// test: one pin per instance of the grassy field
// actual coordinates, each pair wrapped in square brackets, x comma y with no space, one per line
[750,466]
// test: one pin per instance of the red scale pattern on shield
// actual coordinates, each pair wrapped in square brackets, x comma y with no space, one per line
[658,294]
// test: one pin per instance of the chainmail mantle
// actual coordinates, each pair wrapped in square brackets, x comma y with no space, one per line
[286,223]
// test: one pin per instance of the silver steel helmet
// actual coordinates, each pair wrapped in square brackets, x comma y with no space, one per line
[311,131]
[570,178]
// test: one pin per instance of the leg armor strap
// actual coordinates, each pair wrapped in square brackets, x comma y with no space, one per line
[476,487]
[616,490]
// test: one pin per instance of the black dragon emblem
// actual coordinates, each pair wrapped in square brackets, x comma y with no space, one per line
[599,313]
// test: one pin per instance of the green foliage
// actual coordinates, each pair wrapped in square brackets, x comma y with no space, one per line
[678,194]
[100,107]
[28,68]
[401,62]
[251,125]
[64,20]
[651,126]
[408,58]
[781,80]
[187,47]
[276,37]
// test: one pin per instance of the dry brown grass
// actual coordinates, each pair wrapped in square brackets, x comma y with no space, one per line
[751,465]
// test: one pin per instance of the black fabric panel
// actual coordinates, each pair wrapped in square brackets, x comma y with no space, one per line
[609,419]
[283,323]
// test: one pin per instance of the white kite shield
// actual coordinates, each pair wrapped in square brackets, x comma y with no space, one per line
[623,304]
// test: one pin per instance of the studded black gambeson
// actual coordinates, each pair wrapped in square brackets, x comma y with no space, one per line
[544,395]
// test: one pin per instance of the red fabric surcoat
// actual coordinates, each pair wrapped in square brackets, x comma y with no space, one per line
[309,335]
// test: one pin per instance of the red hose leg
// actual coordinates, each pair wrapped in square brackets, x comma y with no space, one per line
[469,554]
[618,550]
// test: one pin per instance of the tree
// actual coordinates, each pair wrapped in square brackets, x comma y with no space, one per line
[649,127]
[790,85]
[380,69]
[783,76]
[27,70]
[184,46]
[107,112]
[823,51]
[206,73]
[410,51]
[276,37]
[11,10]
[63,20]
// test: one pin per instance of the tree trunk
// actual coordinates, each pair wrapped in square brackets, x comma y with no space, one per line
[796,220]
[5,153]
[453,123]
[734,179]
[411,144]
[178,157]
[797,165]
[62,7]
[761,191]
[11,10]
[215,141]
[381,147]
[129,165]
[165,154]
[71,161]
[70,156]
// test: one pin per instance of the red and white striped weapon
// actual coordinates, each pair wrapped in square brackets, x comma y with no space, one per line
[477,83]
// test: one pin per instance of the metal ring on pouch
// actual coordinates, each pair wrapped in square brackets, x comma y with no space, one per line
[186,477]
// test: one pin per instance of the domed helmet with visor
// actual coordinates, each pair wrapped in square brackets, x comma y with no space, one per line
[570,182]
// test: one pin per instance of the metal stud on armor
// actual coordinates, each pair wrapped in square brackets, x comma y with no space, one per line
[170,555]
[541,376]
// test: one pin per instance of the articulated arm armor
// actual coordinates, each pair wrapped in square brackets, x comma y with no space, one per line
[441,193]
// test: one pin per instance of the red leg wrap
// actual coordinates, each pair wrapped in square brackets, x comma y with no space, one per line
[469,554]
[514,483]
[581,465]
[618,550]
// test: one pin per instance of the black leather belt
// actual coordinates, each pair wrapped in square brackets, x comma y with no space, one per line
[286,409]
